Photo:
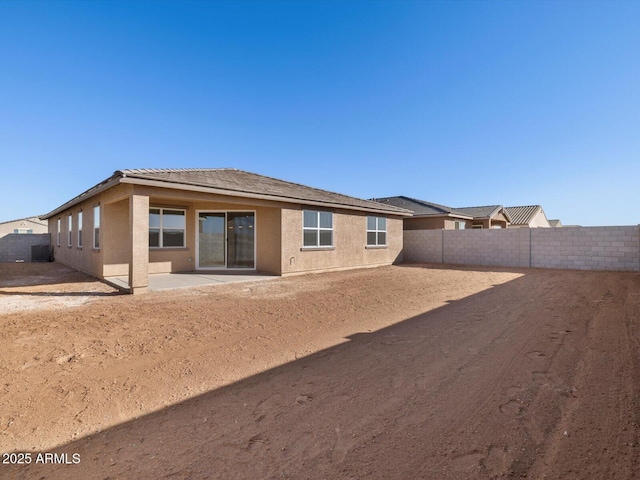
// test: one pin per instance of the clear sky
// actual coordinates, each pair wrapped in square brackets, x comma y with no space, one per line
[458,103]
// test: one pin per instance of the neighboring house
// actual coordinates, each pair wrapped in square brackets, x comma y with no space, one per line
[490,216]
[531,216]
[429,216]
[555,223]
[23,225]
[138,222]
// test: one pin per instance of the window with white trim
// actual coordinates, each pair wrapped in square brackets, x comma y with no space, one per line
[167,227]
[69,229]
[96,226]
[317,229]
[376,231]
[80,228]
[459,224]
[58,236]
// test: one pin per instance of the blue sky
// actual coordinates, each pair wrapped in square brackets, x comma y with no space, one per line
[458,103]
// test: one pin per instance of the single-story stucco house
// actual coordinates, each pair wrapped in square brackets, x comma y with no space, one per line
[145,221]
[428,215]
[531,216]
[432,216]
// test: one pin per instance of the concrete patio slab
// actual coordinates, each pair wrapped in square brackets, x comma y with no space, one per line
[169,281]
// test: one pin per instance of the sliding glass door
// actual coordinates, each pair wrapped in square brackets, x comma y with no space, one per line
[226,240]
[240,239]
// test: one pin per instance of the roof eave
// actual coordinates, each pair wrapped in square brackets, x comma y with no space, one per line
[112,181]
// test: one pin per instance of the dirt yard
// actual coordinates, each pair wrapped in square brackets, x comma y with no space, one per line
[404,372]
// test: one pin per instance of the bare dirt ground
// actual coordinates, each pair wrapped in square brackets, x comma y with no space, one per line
[400,372]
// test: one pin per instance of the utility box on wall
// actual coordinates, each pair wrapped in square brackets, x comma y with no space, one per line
[41,253]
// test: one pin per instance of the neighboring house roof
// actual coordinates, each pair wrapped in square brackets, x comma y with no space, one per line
[233,182]
[487,211]
[555,223]
[34,220]
[422,208]
[523,215]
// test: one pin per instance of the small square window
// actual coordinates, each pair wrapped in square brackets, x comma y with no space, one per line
[317,229]
[167,227]
[376,231]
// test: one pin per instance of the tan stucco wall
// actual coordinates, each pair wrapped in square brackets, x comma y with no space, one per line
[433,223]
[539,221]
[499,220]
[269,236]
[88,259]
[114,230]
[450,223]
[430,223]
[349,239]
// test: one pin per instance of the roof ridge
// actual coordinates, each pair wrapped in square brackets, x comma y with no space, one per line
[481,206]
[171,170]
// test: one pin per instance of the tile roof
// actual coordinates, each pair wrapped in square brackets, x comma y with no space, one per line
[421,207]
[480,212]
[233,182]
[555,223]
[523,215]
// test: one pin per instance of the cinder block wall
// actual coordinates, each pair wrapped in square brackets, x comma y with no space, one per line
[499,247]
[422,246]
[586,248]
[17,247]
[579,248]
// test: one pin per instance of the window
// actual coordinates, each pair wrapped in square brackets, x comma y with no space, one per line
[69,229]
[477,226]
[376,231]
[166,227]
[96,226]
[317,229]
[58,242]
[22,230]
[80,228]
[459,225]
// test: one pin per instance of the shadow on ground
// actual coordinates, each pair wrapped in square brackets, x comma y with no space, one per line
[49,280]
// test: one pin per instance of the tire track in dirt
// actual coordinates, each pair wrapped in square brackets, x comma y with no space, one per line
[598,430]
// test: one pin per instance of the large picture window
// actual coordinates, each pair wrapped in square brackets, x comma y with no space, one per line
[376,231]
[166,227]
[317,229]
